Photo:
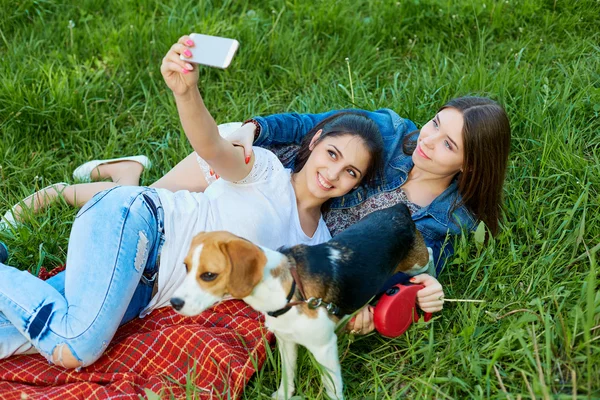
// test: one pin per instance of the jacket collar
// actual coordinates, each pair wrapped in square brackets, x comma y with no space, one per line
[440,207]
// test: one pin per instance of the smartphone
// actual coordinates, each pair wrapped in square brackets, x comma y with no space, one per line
[213,51]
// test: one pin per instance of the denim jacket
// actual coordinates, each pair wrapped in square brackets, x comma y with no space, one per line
[433,221]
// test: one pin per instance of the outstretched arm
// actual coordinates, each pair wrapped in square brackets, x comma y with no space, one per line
[199,126]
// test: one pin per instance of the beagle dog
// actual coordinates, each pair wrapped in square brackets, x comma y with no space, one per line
[304,290]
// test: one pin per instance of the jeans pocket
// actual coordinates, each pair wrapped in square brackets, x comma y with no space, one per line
[91,202]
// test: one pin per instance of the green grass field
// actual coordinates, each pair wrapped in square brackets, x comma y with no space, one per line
[81,80]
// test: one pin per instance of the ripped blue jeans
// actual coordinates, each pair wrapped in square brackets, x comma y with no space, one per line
[112,262]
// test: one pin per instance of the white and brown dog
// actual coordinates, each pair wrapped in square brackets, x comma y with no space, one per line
[304,290]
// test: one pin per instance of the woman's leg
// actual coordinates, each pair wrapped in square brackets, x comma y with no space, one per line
[186,175]
[114,240]
[124,173]
[75,195]
[12,342]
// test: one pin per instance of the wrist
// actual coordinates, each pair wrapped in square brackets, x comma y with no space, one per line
[255,126]
[188,96]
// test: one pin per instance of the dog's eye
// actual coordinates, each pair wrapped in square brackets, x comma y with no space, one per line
[208,276]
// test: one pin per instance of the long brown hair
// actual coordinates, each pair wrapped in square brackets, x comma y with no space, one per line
[486,138]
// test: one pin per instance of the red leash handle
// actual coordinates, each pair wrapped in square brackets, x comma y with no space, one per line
[397,310]
[427,316]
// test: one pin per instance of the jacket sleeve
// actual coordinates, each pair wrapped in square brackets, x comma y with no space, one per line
[287,128]
[442,251]
[290,128]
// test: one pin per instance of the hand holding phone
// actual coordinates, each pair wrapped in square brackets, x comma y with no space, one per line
[213,51]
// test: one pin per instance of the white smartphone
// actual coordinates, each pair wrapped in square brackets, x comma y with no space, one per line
[213,51]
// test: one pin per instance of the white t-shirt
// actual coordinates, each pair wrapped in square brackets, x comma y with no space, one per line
[261,208]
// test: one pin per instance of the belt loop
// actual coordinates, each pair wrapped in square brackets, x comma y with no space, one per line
[160,218]
[157,209]
[149,280]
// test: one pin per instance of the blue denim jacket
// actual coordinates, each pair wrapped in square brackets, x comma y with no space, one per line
[433,221]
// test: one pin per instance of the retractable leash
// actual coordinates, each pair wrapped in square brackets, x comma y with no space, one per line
[397,310]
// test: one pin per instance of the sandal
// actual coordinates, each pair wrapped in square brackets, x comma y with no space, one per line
[84,171]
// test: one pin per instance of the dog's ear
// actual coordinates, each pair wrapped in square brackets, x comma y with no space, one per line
[418,256]
[247,265]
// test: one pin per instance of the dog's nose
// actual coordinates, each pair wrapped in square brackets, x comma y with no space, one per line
[177,303]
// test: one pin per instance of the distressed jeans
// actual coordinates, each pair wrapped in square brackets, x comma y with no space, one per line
[112,261]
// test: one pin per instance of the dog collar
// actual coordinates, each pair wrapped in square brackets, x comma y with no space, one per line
[312,302]
[285,309]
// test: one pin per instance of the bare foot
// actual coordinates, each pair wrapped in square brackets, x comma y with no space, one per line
[38,200]
[121,172]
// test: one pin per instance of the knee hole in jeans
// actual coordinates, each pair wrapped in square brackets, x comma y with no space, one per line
[64,357]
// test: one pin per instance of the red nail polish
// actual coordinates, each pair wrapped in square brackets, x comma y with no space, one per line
[247,160]
[412,279]
[187,53]
[211,172]
[184,71]
[189,42]
[216,176]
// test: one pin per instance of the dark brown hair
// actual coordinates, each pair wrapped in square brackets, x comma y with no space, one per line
[486,138]
[341,124]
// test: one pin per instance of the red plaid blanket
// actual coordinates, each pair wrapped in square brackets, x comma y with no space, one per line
[218,351]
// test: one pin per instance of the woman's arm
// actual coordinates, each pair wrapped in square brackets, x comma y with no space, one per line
[287,128]
[290,128]
[198,125]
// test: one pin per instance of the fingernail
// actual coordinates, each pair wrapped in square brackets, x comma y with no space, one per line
[189,42]
[247,159]
[187,53]
[189,66]
[412,279]
[184,71]
[211,172]
[217,176]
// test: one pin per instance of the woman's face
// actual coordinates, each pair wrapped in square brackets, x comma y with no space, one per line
[440,147]
[336,165]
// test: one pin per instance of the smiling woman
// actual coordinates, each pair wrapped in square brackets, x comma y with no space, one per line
[335,161]
[466,144]
[437,158]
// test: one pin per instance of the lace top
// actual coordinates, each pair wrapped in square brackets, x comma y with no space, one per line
[263,169]
[339,219]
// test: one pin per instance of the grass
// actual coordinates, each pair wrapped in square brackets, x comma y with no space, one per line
[81,80]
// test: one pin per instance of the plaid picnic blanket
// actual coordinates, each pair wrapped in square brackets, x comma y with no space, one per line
[218,351]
